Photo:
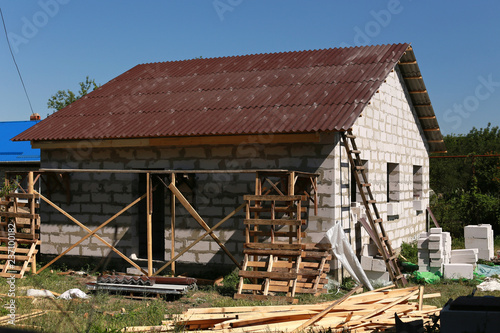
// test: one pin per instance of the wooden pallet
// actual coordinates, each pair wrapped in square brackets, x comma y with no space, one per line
[376,226]
[19,234]
[16,260]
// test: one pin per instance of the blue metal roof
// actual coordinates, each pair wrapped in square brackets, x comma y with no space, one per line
[18,151]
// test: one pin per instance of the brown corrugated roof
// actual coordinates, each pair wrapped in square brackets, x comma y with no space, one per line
[292,92]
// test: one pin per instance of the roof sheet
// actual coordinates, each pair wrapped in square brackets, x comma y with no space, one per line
[291,92]
[16,152]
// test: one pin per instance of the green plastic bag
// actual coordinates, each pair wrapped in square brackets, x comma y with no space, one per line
[426,277]
[409,267]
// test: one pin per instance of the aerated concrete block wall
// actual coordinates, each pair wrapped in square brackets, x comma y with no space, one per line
[389,133]
[98,196]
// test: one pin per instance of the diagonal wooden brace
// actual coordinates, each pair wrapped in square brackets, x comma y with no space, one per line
[198,219]
[200,238]
[92,232]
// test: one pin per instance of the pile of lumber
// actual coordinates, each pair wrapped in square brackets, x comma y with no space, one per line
[364,312]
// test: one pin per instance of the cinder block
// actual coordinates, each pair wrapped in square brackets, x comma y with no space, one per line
[485,254]
[458,271]
[463,259]
[423,255]
[423,268]
[423,243]
[423,235]
[366,263]
[378,265]
[436,230]
[435,238]
[465,256]
[436,263]
[378,276]
[436,254]
[370,250]
[436,269]
[434,245]
[477,231]
[423,261]
[476,243]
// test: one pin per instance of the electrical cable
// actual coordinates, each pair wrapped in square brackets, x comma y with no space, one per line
[15,63]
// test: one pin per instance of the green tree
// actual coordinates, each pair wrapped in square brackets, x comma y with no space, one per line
[468,188]
[64,98]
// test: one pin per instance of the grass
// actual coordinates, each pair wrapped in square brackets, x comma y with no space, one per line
[105,312]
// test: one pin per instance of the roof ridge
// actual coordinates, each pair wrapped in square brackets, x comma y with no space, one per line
[271,53]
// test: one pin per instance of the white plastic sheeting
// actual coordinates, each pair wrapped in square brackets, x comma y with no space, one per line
[344,253]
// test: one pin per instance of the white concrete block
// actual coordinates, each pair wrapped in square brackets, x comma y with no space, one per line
[435,238]
[434,245]
[436,254]
[463,259]
[436,230]
[424,261]
[485,254]
[436,269]
[423,235]
[423,268]
[458,271]
[477,243]
[369,250]
[378,276]
[378,265]
[423,254]
[436,263]
[366,263]
[423,243]
[477,231]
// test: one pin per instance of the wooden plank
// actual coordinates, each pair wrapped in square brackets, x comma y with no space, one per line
[273,222]
[278,253]
[276,209]
[17,250]
[272,246]
[270,275]
[286,264]
[19,224]
[315,254]
[278,198]
[18,235]
[149,223]
[172,226]
[325,311]
[24,195]
[263,233]
[264,298]
[19,204]
[19,215]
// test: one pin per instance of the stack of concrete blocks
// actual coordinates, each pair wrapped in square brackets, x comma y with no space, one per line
[434,250]
[373,264]
[462,264]
[480,237]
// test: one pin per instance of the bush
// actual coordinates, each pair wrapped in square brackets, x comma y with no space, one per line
[410,252]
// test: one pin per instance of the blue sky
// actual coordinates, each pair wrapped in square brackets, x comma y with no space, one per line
[57,43]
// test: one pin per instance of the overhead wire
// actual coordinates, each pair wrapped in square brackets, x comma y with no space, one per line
[15,63]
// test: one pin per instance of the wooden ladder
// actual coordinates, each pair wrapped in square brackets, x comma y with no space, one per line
[375,221]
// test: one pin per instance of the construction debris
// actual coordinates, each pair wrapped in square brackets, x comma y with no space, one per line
[363,312]
[143,285]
